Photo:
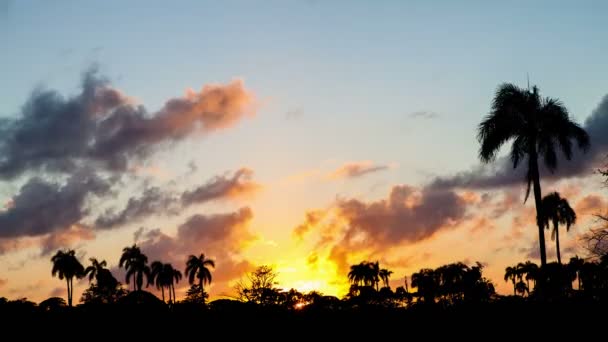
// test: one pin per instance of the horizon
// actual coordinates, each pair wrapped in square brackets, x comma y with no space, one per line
[307,136]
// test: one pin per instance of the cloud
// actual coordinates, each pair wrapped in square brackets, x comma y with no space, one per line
[65,238]
[501,173]
[101,125]
[313,217]
[357,228]
[156,201]
[222,187]
[356,169]
[152,201]
[424,114]
[294,114]
[3,282]
[42,207]
[407,215]
[590,205]
[221,237]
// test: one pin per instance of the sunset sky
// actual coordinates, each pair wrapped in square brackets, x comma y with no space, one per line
[306,135]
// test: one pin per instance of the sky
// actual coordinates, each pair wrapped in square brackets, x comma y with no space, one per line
[305,135]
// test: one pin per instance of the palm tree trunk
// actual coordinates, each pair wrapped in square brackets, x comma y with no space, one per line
[173,287]
[67,281]
[200,283]
[538,199]
[162,291]
[514,288]
[559,256]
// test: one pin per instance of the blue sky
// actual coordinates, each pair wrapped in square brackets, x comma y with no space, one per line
[336,81]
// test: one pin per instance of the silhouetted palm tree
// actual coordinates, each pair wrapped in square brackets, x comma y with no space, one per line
[135,262]
[66,265]
[385,275]
[576,265]
[158,277]
[357,274]
[511,273]
[176,276]
[530,270]
[374,273]
[521,288]
[95,269]
[536,125]
[197,267]
[557,210]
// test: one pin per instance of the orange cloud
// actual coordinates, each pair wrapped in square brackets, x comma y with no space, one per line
[356,169]
[313,217]
[3,282]
[590,205]
[65,238]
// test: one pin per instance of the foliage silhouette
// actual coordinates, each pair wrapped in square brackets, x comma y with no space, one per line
[198,267]
[535,125]
[66,266]
[557,210]
[135,263]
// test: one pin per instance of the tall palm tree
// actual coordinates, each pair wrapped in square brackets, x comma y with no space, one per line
[175,276]
[511,273]
[198,267]
[135,262]
[67,266]
[557,210]
[95,269]
[538,126]
[385,275]
[158,277]
[373,273]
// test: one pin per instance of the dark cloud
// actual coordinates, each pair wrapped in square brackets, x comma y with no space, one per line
[222,187]
[408,215]
[221,237]
[356,169]
[153,201]
[424,114]
[102,125]
[501,173]
[156,201]
[42,207]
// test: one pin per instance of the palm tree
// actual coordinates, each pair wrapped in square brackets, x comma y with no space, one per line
[530,269]
[197,267]
[135,262]
[557,210]
[174,278]
[521,288]
[385,275]
[357,274]
[158,277]
[576,265]
[373,273]
[95,269]
[535,125]
[511,273]
[66,265]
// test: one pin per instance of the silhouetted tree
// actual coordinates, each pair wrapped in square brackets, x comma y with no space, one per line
[196,295]
[94,269]
[427,283]
[259,287]
[385,275]
[530,270]
[135,262]
[538,127]
[521,288]
[557,210]
[198,267]
[159,278]
[66,265]
[576,266]
[511,273]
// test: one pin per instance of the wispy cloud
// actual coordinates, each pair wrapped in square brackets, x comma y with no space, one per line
[356,169]
[424,114]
